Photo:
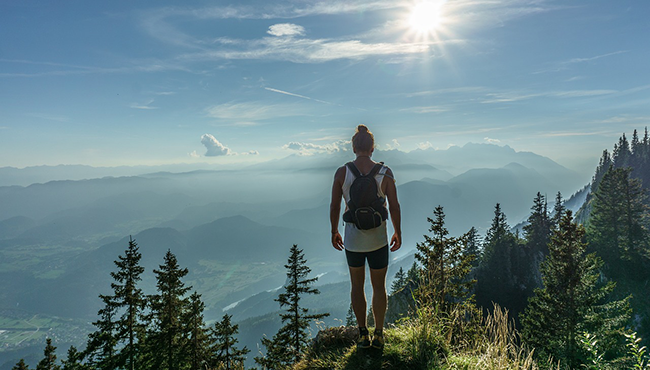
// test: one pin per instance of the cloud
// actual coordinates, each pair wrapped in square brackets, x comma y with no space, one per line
[393,145]
[425,145]
[311,149]
[286,29]
[296,95]
[213,147]
[143,106]
[491,141]
[424,110]
[251,152]
[194,154]
[247,113]
[303,50]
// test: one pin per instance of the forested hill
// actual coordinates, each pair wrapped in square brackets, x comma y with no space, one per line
[577,289]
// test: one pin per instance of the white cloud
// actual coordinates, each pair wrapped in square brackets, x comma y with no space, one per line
[194,154]
[425,145]
[213,147]
[424,110]
[286,29]
[247,113]
[311,149]
[251,152]
[146,105]
[393,145]
[491,141]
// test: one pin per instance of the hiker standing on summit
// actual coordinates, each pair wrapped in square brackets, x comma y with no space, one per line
[366,185]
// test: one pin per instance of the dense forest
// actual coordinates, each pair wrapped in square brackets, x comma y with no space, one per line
[574,286]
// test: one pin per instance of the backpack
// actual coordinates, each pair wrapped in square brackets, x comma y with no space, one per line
[366,208]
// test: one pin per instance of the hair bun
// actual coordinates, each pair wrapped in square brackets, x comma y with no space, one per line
[362,128]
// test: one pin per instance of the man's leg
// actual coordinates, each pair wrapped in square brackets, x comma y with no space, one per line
[379,298]
[357,294]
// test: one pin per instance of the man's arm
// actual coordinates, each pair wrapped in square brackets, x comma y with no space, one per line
[395,211]
[335,208]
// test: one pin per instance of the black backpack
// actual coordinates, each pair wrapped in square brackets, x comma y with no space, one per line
[366,208]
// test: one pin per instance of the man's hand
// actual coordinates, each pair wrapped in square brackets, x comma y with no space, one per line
[395,242]
[337,241]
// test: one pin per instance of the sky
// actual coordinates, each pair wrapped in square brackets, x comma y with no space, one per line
[109,83]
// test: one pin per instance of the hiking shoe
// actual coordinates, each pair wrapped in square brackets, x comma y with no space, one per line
[378,341]
[364,342]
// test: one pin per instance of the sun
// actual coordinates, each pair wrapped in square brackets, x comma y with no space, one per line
[426,16]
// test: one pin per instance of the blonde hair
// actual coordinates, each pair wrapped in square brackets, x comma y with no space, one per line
[363,140]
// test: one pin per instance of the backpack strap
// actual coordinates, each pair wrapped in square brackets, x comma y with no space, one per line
[375,170]
[353,168]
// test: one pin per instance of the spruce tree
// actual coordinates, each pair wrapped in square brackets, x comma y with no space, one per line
[224,352]
[538,229]
[350,319]
[399,281]
[100,350]
[168,307]
[504,275]
[615,228]
[197,345]
[289,342]
[129,298]
[444,266]
[413,274]
[558,211]
[74,360]
[571,301]
[21,365]
[472,246]
[49,357]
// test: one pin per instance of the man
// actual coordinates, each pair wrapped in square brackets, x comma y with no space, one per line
[362,244]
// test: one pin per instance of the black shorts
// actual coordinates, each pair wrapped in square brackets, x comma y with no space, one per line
[376,259]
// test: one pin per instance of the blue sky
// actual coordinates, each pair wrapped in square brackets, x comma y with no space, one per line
[150,82]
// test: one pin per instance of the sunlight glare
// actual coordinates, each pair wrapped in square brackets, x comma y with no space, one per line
[426,16]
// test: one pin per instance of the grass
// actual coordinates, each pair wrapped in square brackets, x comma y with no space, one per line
[424,342]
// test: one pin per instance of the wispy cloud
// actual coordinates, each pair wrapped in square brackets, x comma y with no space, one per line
[564,65]
[513,96]
[491,140]
[302,50]
[426,109]
[296,95]
[145,106]
[49,117]
[249,112]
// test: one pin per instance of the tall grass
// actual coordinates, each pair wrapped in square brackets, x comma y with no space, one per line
[496,346]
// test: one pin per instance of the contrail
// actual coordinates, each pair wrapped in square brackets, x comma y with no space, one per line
[296,95]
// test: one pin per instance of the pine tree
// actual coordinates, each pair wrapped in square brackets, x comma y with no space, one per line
[504,274]
[399,281]
[167,309]
[224,352]
[350,319]
[289,342]
[131,299]
[444,266]
[615,228]
[603,166]
[100,349]
[572,300]
[413,274]
[21,365]
[74,360]
[621,154]
[558,211]
[472,246]
[197,345]
[538,229]
[49,357]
